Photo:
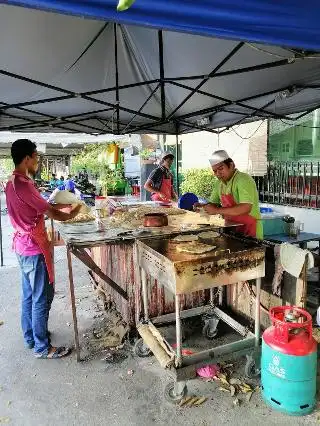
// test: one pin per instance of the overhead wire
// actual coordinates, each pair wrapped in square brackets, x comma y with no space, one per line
[296,55]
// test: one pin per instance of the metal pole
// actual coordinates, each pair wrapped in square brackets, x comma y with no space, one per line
[178,330]
[73,306]
[161,67]
[177,164]
[257,316]
[1,246]
[117,75]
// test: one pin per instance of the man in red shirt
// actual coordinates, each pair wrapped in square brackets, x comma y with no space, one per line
[26,209]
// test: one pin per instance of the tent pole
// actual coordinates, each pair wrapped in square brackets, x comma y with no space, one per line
[161,66]
[177,159]
[117,74]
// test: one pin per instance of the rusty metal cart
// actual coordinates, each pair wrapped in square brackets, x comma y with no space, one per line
[184,273]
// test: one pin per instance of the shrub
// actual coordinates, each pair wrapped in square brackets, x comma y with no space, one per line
[199,181]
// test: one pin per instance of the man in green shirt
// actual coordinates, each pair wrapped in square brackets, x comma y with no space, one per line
[235,196]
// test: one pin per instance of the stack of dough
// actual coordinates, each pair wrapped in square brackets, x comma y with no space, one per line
[66,197]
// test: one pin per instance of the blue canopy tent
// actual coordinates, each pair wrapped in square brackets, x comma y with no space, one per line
[163,66]
[290,23]
[159,67]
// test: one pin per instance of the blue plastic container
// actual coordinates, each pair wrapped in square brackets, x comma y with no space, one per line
[187,200]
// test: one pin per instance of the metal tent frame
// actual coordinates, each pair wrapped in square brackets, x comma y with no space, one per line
[30,116]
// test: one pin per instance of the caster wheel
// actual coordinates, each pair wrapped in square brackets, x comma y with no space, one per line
[250,370]
[209,332]
[141,349]
[171,396]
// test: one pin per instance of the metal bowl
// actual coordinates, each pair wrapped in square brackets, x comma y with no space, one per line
[155,220]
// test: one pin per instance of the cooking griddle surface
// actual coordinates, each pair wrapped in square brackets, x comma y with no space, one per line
[168,248]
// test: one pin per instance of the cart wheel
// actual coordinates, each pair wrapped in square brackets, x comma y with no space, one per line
[250,369]
[171,396]
[141,349]
[209,332]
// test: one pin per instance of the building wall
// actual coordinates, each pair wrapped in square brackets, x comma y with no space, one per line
[295,141]
[250,155]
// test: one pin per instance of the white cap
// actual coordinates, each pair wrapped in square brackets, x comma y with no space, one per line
[217,157]
[166,155]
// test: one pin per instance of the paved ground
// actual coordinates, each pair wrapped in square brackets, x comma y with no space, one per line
[93,392]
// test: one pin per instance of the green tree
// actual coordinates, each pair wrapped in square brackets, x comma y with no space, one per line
[94,159]
[6,167]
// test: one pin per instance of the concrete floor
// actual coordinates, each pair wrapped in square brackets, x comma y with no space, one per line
[64,392]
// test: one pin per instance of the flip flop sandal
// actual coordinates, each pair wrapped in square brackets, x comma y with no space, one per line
[60,352]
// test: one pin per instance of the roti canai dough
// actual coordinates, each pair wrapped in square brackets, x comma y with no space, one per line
[195,248]
[185,238]
[207,235]
[65,197]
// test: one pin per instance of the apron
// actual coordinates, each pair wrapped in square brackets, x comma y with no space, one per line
[249,223]
[166,189]
[39,235]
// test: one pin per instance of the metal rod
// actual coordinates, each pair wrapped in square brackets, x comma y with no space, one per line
[212,73]
[117,74]
[67,119]
[250,98]
[231,322]
[297,181]
[310,185]
[177,160]
[121,87]
[257,316]
[73,305]
[279,182]
[144,293]
[214,354]
[211,296]
[29,120]
[38,102]
[286,183]
[303,182]
[262,109]
[317,185]
[220,290]
[186,313]
[264,66]
[227,102]
[162,81]
[80,95]
[88,93]
[178,330]
[82,255]
[141,108]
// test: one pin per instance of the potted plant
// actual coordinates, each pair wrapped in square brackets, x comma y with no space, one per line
[147,156]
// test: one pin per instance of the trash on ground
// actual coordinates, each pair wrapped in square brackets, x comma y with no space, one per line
[192,401]
[236,402]
[248,396]
[209,371]
[200,401]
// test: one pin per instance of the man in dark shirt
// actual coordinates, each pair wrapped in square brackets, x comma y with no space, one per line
[160,181]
